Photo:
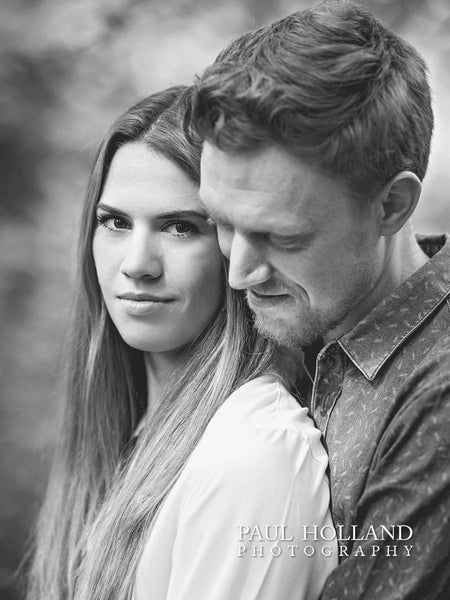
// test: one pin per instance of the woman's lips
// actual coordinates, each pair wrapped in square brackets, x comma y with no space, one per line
[142,296]
[142,304]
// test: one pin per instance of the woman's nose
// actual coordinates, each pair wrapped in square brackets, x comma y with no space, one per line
[142,256]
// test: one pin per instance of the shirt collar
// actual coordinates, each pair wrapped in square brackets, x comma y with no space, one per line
[374,339]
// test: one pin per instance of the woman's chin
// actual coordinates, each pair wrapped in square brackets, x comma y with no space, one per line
[162,343]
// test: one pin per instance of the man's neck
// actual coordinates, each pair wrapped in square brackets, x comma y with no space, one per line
[403,257]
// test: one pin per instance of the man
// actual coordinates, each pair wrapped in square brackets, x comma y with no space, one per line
[317,132]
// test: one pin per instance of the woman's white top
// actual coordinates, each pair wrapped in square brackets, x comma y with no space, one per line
[233,525]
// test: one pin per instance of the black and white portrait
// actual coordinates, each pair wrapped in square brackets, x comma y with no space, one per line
[225,300]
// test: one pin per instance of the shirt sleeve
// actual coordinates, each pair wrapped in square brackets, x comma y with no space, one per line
[240,526]
[408,484]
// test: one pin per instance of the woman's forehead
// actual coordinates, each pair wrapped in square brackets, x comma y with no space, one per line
[140,179]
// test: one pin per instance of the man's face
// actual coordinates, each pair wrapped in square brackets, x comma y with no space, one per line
[306,251]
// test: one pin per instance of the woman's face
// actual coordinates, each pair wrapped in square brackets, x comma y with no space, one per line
[157,259]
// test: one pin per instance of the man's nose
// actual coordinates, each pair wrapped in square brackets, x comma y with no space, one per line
[248,266]
[142,256]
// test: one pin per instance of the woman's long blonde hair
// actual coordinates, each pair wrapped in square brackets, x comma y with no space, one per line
[104,493]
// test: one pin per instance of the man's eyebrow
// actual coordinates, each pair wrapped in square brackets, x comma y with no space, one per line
[216,220]
[182,214]
[304,236]
[212,217]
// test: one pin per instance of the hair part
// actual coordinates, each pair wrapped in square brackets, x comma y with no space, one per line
[332,85]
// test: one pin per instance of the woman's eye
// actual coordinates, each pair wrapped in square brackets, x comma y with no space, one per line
[118,223]
[112,223]
[180,228]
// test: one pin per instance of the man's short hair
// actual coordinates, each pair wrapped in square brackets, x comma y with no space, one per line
[332,85]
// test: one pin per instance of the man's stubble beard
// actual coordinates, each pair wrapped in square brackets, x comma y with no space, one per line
[285,334]
[301,328]
[293,326]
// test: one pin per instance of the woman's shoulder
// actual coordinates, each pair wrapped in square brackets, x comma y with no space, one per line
[260,423]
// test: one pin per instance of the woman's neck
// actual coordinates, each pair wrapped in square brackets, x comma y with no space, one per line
[159,367]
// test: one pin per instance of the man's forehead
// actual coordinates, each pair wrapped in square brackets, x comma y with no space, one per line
[268,189]
[264,169]
[241,206]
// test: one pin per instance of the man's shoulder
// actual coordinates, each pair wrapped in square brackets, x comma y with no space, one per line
[428,349]
[408,323]
[422,397]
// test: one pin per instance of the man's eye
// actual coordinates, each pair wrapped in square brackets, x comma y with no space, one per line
[180,228]
[287,242]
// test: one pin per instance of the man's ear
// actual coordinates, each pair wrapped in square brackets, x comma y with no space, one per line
[397,201]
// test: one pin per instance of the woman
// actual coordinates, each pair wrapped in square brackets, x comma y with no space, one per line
[169,510]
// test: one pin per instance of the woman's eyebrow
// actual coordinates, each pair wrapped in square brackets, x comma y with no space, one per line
[174,214]
[112,209]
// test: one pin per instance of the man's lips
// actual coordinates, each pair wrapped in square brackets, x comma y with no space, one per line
[268,295]
[264,299]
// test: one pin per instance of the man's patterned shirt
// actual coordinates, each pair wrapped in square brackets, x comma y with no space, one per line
[381,398]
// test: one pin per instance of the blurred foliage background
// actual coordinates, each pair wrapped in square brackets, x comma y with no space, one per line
[66,70]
